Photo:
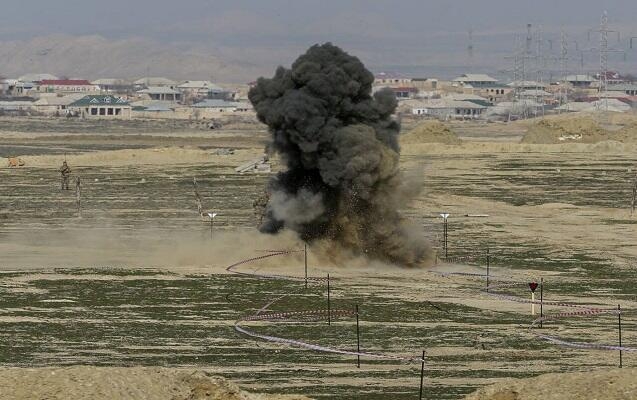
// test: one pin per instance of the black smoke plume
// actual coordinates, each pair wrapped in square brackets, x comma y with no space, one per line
[340,146]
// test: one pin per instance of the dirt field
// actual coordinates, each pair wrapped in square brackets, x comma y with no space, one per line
[139,280]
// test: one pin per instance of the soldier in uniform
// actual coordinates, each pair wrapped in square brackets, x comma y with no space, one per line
[260,205]
[65,173]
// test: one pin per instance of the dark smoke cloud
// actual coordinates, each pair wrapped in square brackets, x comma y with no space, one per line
[340,146]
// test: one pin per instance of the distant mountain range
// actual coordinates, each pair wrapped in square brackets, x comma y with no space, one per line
[94,57]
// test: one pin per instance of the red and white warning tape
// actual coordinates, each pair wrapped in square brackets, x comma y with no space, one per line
[584,310]
[262,315]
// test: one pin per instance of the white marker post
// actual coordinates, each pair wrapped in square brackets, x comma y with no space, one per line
[444,216]
[212,222]
[533,286]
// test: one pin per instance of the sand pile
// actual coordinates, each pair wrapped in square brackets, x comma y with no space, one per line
[581,129]
[111,383]
[430,132]
[616,384]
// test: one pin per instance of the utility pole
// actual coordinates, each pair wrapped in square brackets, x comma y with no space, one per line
[604,50]
[563,68]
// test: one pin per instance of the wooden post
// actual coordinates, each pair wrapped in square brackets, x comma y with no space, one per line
[212,223]
[329,309]
[619,324]
[358,339]
[422,373]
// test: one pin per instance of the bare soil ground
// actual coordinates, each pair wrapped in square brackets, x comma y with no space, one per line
[139,281]
[112,383]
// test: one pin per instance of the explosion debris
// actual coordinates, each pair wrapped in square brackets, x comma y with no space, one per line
[340,146]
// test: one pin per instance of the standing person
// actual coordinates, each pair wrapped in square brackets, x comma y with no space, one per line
[65,173]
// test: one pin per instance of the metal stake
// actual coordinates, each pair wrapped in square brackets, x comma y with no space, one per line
[305,257]
[358,340]
[329,309]
[541,300]
[446,255]
[619,323]
[422,374]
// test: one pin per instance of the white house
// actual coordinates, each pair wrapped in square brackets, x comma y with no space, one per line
[475,80]
[162,93]
[198,88]
[448,109]
[149,81]
[53,105]
[222,106]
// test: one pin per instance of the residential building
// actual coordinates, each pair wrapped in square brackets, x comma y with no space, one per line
[222,106]
[391,79]
[612,78]
[197,89]
[581,80]
[162,93]
[527,85]
[36,77]
[448,109]
[469,97]
[404,92]
[628,88]
[149,81]
[56,105]
[475,80]
[101,106]
[494,93]
[108,85]
[17,88]
[16,106]
[65,86]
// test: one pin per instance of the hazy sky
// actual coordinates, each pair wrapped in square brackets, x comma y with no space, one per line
[382,32]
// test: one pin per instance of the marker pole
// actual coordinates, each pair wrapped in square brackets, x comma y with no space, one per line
[305,257]
[619,324]
[532,303]
[358,339]
[541,300]
[422,374]
[446,254]
[329,309]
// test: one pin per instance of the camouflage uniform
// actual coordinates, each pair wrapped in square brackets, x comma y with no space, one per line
[65,171]
[260,204]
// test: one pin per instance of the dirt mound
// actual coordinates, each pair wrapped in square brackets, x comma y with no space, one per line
[564,130]
[582,129]
[430,132]
[111,383]
[616,384]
